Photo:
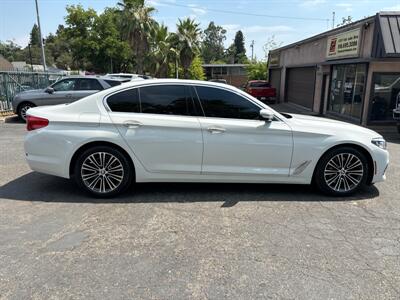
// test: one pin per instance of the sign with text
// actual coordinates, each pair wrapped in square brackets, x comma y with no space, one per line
[346,44]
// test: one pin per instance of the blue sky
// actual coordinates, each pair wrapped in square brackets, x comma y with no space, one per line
[18,16]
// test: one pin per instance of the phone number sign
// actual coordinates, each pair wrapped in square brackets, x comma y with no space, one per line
[346,44]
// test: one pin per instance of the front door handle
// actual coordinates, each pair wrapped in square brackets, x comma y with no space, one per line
[132,124]
[68,95]
[213,129]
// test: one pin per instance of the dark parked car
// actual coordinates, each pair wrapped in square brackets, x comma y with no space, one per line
[66,90]
[261,89]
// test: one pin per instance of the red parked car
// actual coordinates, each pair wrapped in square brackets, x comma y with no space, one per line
[261,89]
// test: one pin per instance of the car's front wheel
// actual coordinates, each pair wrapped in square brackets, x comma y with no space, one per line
[341,172]
[22,109]
[103,171]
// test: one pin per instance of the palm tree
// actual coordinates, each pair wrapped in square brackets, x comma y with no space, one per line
[162,50]
[188,40]
[136,24]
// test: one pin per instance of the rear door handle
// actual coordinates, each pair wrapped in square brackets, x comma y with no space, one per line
[132,124]
[213,129]
[68,95]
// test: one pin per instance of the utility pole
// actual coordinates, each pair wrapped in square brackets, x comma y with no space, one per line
[40,35]
[333,20]
[252,50]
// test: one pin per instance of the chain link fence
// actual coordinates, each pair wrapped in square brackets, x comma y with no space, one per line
[12,83]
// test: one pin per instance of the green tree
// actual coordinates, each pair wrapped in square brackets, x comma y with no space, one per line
[34,39]
[212,48]
[196,70]
[136,27]
[80,35]
[11,51]
[240,50]
[257,71]
[188,42]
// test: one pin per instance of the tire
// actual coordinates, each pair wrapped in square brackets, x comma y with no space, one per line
[341,172]
[22,110]
[92,171]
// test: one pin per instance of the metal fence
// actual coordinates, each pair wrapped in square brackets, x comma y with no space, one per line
[12,83]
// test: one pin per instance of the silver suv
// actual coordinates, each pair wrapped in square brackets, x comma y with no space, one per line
[66,90]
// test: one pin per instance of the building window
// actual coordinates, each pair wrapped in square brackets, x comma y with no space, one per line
[385,90]
[347,90]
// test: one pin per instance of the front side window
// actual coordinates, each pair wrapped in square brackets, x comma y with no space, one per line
[125,101]
[165,99]
[65,85]
[219,103]
[89,85]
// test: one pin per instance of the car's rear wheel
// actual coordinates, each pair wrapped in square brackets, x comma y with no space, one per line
[103,171]
[22,109]
[341,172]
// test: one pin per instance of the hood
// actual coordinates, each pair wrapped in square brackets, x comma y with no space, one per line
[30,92]
[327,126]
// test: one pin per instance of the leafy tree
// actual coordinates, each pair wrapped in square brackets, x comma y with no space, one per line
[240,50]
[212,48]
[188,42]
[163,52]
[11,51]
[35,36]
[136,26]
[196,70]
[257,71]
[78,31]
[345,21]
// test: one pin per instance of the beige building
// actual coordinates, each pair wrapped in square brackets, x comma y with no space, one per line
[352,72]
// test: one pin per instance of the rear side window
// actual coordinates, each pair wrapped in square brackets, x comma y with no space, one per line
[125,101]
[219,103]
[165,99]
[259,84]
[89,85]
[113,82]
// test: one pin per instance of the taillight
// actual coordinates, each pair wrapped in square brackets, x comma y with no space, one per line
[33,123]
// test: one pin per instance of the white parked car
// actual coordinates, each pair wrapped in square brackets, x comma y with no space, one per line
[195,131]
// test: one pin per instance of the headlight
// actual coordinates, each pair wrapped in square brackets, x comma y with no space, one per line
[379,142]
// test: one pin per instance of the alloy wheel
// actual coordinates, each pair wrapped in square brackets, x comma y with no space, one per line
[23,111]
[343,172]
[102,172]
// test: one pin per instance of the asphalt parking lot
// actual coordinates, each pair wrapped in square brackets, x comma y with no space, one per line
[194,241]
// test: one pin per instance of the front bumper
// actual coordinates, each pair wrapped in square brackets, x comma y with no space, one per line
[381,163]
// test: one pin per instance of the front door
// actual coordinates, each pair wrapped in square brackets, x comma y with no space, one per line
[237,142]
[159,127]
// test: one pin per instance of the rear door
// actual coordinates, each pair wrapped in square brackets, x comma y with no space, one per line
[158,124]
[85,87]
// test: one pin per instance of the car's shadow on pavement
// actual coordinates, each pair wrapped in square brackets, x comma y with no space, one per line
[44,188]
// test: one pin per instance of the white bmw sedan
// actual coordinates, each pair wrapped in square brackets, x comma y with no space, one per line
[195,131]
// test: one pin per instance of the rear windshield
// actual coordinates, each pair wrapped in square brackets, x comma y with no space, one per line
[259,84]
[113,82]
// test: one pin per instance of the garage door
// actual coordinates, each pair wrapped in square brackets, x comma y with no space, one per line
[275,80]
[300,86]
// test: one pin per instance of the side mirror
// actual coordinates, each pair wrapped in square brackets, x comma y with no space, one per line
[49,90]
[266,115]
